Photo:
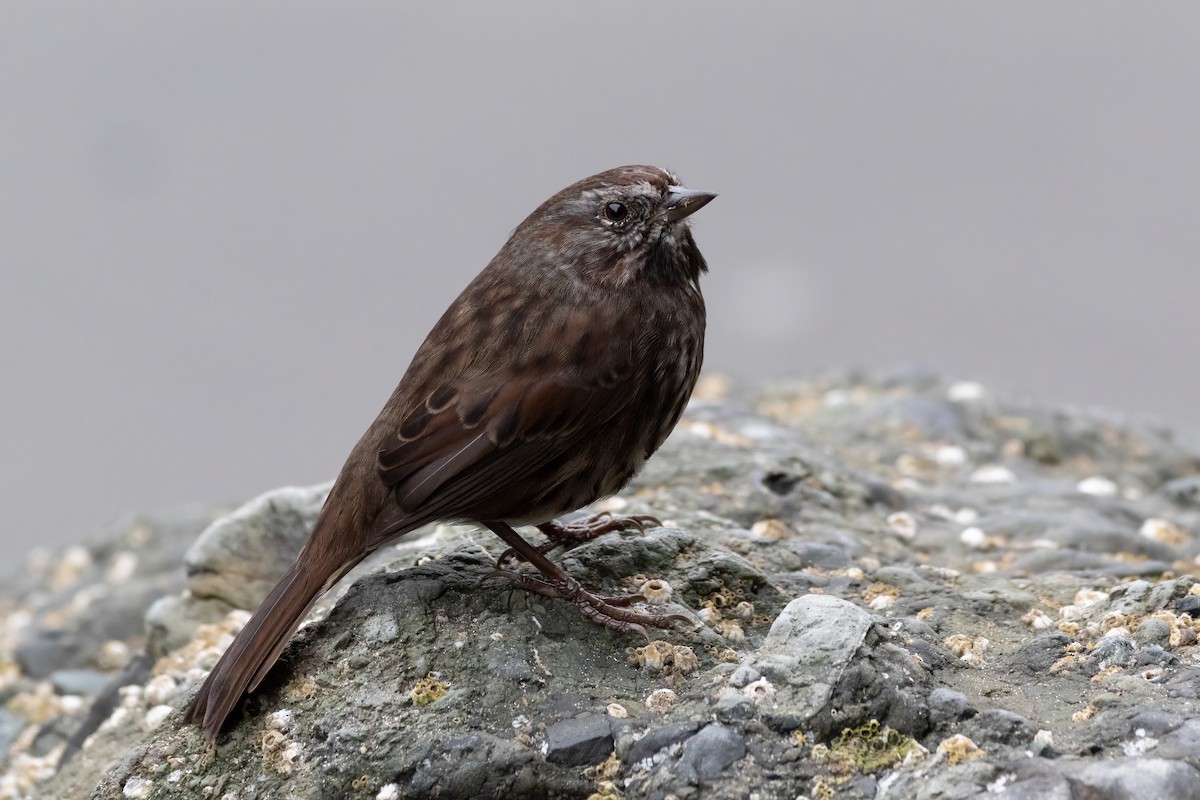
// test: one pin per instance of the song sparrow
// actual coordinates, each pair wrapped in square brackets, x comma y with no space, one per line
[546,385]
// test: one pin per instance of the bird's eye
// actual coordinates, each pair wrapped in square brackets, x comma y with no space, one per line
[615,212]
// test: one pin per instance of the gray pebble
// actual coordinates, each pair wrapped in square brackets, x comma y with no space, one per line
[1039,787]
[1152,654]
[1182,491]
[1153,631]
[743,675]
[79,681]
[709,752]
[1183,742]
[947,706]
[1156,722]
[1004,726]
[823,556]
[41,651]
[1138,779]
[580,741]
[732,705]
[1037,655]
[10,727]
[658,738]
[1112,651]
[1189,604]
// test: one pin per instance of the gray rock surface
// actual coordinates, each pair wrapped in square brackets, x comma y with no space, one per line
[903,588]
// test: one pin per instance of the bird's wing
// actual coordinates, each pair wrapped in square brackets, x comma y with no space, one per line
[466,442]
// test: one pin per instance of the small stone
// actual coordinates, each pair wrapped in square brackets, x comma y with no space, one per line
[380,628]
[10,727]
[731,705]
[389,791]
[658,738]
[137,787]
[79,681]
[993,473]
[1003,726]
[580,741]
[161,689]
[1188,604]
[1180,741]
[1137,778]
[1037,655]
[973,537]
[617,711]
[771,529]
[1097,486]
[947,706]
[1163,530]
[712,750]
[1153,632]
[950,455]
[903,524]
[1183,491]
[155,716]
[818,554]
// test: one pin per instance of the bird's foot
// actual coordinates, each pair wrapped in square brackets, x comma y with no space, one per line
[572,534]
[611,612]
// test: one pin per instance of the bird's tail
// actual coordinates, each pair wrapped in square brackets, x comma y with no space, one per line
[257,647]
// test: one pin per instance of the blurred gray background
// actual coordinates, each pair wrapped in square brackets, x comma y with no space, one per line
[226,226]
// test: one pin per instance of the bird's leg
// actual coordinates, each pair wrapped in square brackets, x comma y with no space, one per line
[612,612]
[573,534]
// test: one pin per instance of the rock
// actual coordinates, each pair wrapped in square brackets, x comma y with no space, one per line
[711,751]
[580,741]
[42,651]
[1138,778]
[238,558]
[1153,632]
[1003,726]
[1037,655]
[824,621]
[824,556]
[1182,491]
[79,681]
[1180,742]
[10,727]
[809,646]
[947,706]
[656,739]
[1156,722]
[1188,604]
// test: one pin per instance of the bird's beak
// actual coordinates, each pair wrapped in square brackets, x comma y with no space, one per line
[680,202]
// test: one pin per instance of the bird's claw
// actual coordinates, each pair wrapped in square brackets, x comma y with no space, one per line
[611,612]
[573,534]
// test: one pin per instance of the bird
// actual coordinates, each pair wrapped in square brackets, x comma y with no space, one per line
[544,387]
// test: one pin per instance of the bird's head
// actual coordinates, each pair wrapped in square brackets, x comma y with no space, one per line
[620,226]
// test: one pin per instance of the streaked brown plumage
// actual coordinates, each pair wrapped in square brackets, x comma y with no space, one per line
[546,385]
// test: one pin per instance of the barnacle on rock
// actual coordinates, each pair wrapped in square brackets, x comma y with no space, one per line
[958,749]
[428,690]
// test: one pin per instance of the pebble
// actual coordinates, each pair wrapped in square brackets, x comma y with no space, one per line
[947,706]
[711,751]
[1153,632]
[579,741]
[86,682]
[656,739]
